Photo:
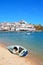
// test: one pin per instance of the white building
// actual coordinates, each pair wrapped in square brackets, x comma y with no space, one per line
[18,26]
[26,27]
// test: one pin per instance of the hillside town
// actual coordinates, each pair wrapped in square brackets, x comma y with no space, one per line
[18,26]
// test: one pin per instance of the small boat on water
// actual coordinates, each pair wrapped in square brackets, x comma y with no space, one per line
[18,50]
[28,33]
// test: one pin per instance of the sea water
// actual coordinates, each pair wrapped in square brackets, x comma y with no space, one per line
[33,41]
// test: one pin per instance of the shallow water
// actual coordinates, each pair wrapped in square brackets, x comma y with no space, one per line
[32,41]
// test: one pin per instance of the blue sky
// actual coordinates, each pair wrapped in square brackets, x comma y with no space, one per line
[15,10]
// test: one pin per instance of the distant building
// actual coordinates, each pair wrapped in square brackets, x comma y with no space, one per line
[17,26]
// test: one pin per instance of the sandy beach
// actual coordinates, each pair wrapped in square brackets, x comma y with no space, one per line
[6,58]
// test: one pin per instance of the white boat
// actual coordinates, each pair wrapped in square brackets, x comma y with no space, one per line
[17,49]
[28,33]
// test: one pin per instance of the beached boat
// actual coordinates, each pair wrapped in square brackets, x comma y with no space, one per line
[17,49]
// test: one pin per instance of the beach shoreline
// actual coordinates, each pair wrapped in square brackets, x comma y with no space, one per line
[6,58]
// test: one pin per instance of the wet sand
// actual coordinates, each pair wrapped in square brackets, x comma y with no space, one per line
[6,58]
[34,59]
